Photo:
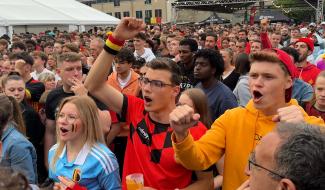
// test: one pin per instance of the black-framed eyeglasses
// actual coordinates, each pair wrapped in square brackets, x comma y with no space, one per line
[252,163]
[153,83]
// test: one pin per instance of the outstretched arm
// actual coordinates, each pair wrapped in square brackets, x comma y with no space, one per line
[96,80]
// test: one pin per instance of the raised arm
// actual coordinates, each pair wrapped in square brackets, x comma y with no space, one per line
[96,80]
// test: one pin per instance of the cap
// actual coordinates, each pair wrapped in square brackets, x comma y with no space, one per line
[312,24]
[291,67]
[322,23]
[308,41]
[304,31]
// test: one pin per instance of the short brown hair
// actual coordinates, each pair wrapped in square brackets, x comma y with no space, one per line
[72,47]
[68,57]
[167,65]
[4,42]
[40,54]
[141,36]
[269,57]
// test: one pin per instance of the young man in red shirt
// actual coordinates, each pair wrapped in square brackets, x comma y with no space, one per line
[307,71]
[149,150]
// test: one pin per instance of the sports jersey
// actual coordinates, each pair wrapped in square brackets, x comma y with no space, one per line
[149,149]
[95,167]
[187,75]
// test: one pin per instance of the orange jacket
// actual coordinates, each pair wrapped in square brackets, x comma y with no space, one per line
[131,88]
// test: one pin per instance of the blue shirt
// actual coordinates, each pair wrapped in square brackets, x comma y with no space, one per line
[302,91]
[220,98]
[18,153]
[97,165]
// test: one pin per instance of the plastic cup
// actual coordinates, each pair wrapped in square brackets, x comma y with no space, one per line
[134,181]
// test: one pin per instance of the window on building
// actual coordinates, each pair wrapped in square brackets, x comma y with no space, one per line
[126,14]
[116,3]
[148,13]
[158,13]
[147,1]
[109,13]
[118,15]
[138,14]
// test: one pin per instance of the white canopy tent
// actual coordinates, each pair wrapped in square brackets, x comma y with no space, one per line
[71,13]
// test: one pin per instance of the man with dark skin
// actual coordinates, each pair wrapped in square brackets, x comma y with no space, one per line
[187,48]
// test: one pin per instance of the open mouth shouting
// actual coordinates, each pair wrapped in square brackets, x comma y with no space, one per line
[257,96]
[65,130]
[147,100]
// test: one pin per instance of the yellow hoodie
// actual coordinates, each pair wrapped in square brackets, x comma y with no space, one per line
[236,134]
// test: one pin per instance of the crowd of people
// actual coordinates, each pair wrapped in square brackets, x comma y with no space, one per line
[189,107]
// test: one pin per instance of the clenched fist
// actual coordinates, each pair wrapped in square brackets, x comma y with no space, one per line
[128,28]
[182,118]
[291,114]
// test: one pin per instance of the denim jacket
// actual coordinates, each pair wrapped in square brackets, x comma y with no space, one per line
[18,153]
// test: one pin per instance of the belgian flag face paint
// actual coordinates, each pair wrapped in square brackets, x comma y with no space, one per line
[73,128]
[76,175]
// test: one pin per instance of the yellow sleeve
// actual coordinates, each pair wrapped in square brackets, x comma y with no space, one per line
[315,121]
[201,154]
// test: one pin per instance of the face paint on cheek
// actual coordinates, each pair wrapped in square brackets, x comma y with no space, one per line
[73,128]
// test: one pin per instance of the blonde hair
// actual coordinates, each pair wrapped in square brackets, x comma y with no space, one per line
[90,121]
[44,77]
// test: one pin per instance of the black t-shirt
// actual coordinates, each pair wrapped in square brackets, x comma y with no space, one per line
[231,80]
[56,96]
[187,75]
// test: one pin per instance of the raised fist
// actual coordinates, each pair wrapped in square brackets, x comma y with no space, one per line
[128,28]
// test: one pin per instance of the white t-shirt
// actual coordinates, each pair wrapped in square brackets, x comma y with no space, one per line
[147,55]
[123,83]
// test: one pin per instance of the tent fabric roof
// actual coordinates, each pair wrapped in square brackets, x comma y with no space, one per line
[272,15]
[50,12]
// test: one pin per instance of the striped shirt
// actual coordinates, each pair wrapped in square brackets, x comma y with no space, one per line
[97,167]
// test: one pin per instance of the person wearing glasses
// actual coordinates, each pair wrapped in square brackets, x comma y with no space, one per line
[290,157]
[80,155]
[149,149]
[236,133]
[70,71]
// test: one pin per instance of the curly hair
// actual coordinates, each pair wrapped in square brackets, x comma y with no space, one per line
[215,60]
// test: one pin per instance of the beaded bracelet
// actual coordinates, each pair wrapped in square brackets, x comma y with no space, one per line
[112,45]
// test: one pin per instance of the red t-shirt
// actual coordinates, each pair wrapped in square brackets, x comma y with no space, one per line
[312,111]
[149,149]
[309,73]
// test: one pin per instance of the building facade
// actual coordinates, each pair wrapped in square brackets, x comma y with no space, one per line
[149,10]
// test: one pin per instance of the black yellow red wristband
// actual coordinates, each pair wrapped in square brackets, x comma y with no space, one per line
[110,50]
[112,45]
[116,41]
